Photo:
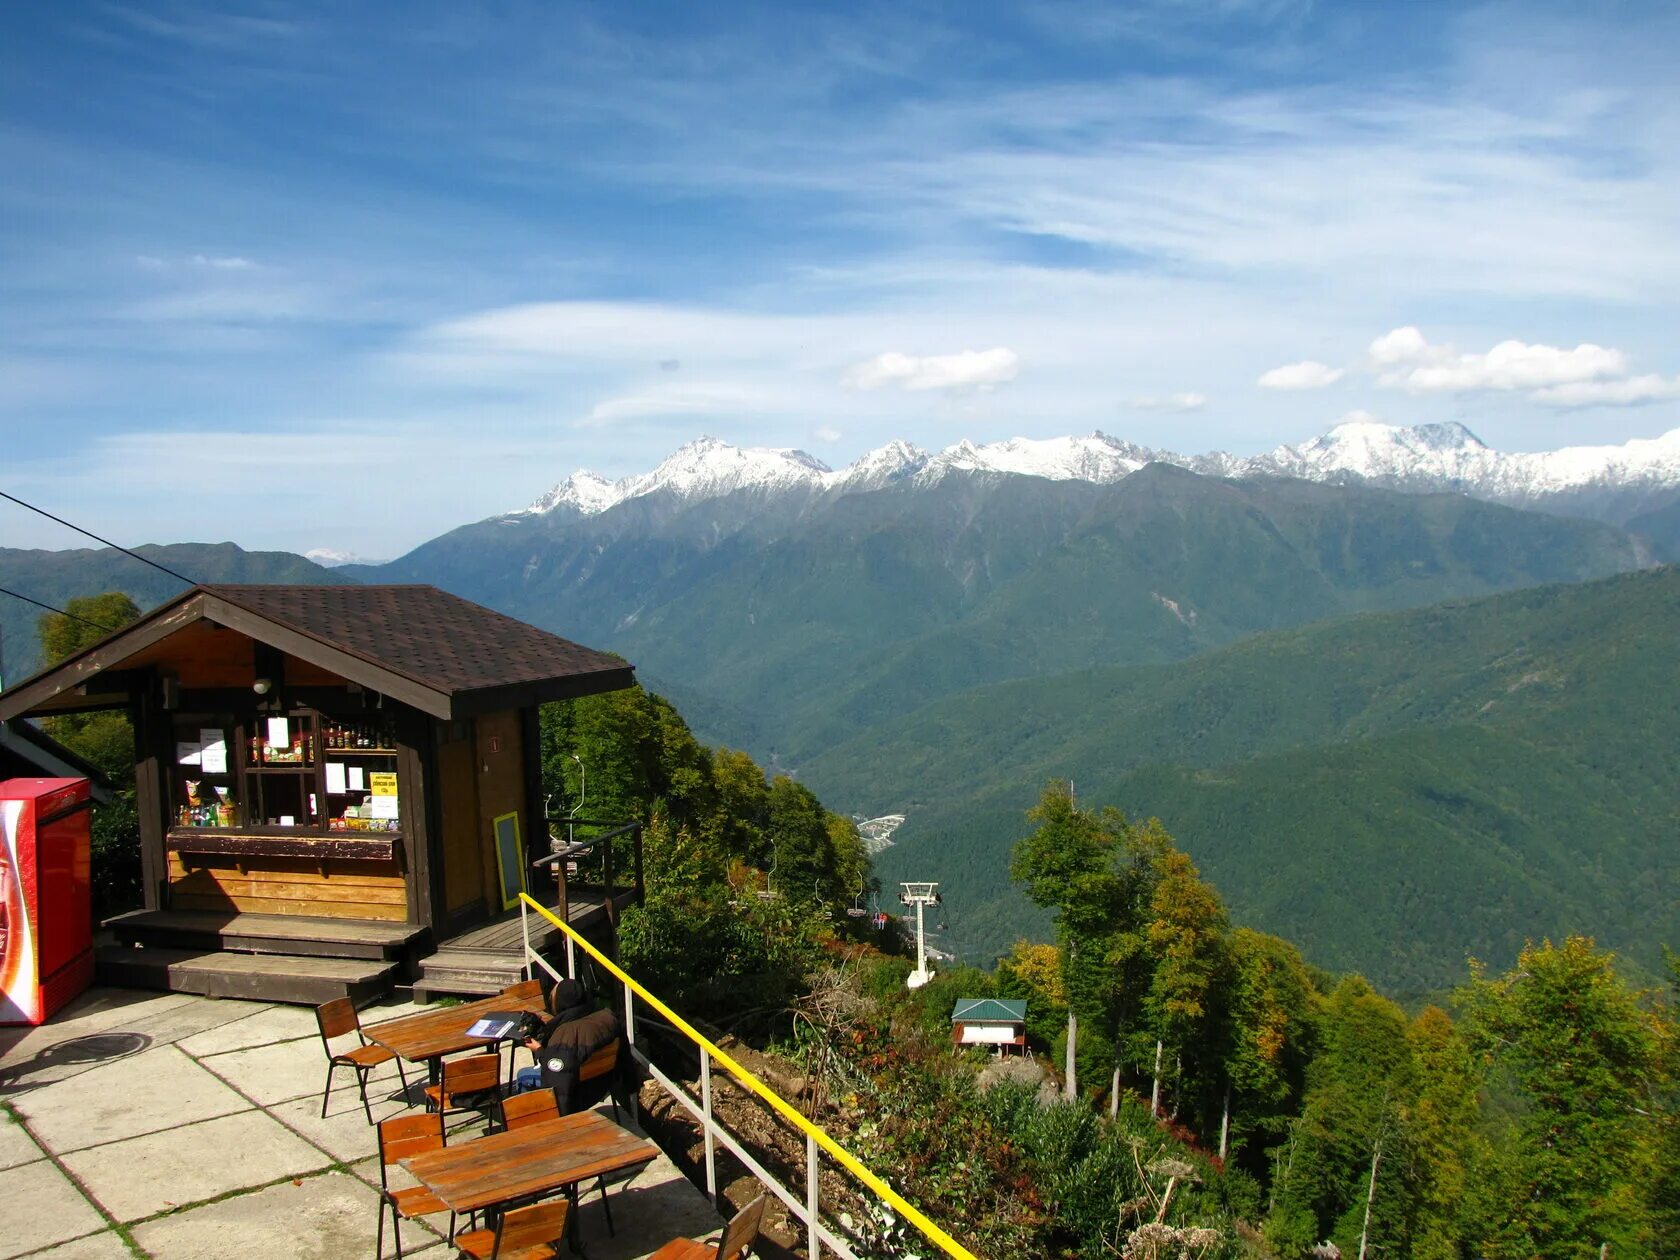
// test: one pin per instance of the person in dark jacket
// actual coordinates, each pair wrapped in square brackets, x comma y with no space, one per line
[567,1048]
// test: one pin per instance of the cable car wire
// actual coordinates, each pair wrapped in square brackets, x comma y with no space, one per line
[162,568]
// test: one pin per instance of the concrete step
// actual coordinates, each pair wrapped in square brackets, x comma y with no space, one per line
[264,977]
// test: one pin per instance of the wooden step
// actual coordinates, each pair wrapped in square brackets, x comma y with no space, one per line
[294,935]
[307,981]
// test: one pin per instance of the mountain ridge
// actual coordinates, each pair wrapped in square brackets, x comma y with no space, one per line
[1607,482]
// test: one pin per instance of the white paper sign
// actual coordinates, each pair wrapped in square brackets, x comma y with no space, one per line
[358,779]
[335,778]
[188,752]
[279,733]
[214,757]
[383,806]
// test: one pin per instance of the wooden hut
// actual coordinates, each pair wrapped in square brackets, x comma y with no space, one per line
[338,786]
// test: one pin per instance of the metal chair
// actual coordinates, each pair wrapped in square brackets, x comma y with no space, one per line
[338,1018]
[398,1139]
[530,1233]
[738,1236]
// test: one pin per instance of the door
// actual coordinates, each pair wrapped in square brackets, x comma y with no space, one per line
[463,857]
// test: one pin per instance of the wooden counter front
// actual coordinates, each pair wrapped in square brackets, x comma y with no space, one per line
[323,883]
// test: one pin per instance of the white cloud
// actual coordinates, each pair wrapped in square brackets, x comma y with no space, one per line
[1170,402]
[1308,374]
[967,369]
[1632,391]
[1405,359]
[828,433]
[688,398]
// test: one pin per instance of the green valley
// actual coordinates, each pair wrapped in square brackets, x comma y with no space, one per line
[1392,791]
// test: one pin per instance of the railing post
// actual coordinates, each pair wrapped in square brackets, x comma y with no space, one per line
[641,886]
[607,880]
[630,1040]
[525,936]
[813,1245]
[706,1106]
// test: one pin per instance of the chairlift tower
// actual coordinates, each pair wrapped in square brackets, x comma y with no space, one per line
[921,896]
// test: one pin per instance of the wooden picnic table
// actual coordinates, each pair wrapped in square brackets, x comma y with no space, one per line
[529,1162]
[428,1036]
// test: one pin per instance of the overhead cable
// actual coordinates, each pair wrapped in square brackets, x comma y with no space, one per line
[162,568]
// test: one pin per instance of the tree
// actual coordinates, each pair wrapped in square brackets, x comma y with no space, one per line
[1441,1132]
[105,739]
[1268,1034]
[1563,1033]
[1186,933]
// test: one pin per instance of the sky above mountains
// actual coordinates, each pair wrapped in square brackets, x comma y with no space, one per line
[344,276]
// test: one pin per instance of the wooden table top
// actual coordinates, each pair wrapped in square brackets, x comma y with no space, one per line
[432,1034]
[530,1161]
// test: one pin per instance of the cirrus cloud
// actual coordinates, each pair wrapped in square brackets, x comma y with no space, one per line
[1308,374]
[967,369]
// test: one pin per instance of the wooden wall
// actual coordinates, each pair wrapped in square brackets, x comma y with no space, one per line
[336,889]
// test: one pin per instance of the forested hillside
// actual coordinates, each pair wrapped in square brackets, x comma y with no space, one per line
[1391,791]
[55,577]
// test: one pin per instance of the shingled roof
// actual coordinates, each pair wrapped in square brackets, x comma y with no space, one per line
[438,652]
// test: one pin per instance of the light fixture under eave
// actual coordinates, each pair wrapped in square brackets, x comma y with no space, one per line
[262,686]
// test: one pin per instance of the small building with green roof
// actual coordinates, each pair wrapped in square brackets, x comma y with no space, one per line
[997,1022]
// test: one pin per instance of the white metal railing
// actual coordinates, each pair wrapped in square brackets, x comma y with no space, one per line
[807,1210]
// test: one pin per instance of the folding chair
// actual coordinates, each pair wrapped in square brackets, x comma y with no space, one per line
[398,1139]
[335,1019]
[738,1236]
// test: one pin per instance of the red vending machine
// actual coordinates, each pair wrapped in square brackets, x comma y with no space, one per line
[46,904]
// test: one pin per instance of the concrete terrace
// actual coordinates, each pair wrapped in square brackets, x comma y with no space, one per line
[183,1128]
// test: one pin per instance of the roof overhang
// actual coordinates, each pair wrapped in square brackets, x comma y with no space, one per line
[105,675]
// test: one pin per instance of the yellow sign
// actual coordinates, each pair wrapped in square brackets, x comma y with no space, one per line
[382,784]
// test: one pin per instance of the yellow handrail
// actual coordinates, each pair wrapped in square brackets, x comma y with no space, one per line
[950,1246]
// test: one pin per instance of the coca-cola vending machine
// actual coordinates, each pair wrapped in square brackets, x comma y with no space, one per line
[46,905]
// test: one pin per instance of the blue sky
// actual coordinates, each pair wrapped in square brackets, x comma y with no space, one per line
[347,276]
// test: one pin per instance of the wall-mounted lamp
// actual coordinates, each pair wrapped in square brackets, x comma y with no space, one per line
[262,686]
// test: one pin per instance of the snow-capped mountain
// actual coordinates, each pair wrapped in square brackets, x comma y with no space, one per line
[1433,457]
[332,558]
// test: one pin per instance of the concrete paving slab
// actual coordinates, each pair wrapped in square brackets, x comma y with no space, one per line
[261,1026]
[106,1246]
[16,1146]
[94,1011]
[345,1132]
[320,1218]
[67,1048]
[191,1164]
[297,1069]
[143,1093]
[44,1208]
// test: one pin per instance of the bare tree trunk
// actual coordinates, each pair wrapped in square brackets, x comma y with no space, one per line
[1072,1043]
[1155,1088]
[1114,1094]
[1225,1123]
[1178,1085]
[1370,1197]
